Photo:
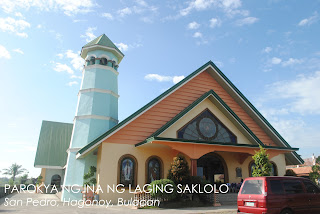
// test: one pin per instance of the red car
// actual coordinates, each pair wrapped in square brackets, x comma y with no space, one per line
[284,195]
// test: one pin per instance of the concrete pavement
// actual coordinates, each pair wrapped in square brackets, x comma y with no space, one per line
[49,203]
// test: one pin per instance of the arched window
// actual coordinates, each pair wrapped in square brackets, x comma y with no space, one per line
[251,167]
[92,60]
[103,61]
[274,170]
[128,169]
[56,180]
[154,169]
[207,127]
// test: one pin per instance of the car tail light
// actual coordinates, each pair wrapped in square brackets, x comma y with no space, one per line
[265,188]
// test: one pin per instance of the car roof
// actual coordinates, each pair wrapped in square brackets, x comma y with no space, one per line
[276,177]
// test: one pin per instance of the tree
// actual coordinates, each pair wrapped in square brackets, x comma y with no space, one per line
[314,175]
[179,172]
[14,170]
[262,166]
[23,179]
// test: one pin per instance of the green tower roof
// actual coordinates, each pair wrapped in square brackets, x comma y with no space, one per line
[104,41]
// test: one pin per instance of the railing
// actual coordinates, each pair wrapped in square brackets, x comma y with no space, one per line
[4,192]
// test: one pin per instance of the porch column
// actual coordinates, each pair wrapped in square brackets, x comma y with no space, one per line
[193,167]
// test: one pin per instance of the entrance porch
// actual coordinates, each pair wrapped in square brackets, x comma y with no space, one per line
[220,162]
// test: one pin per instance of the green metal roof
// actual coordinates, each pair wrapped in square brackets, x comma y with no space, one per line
[174,87]
[53,143]
[104,41]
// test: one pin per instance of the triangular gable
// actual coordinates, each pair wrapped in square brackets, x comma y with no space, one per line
[222,107]
[179,97]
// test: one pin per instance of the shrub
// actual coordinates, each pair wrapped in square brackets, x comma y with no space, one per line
[163,195]
[290,172]
[179,172]
[88,177]
[262,164]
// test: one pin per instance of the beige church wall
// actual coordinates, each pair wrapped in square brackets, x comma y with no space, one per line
[232,163]
[109,155]
[280,161]
[171,132]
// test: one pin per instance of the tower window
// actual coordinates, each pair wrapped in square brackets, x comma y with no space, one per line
[92,60]
[103,61]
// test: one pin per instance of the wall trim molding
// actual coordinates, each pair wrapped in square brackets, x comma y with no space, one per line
[73,149]
[48,167]
[92,116]
[105,91]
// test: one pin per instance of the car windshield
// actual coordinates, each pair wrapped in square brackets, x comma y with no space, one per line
[252,187]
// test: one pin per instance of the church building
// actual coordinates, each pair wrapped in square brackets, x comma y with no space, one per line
[204,117]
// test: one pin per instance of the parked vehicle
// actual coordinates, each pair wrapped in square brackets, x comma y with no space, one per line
[274,195]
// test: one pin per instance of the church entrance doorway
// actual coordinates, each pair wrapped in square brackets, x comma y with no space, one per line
[213,168]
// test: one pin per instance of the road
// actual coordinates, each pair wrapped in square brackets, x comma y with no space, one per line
[49,203]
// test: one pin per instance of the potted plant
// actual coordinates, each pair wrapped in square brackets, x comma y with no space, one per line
[89,180]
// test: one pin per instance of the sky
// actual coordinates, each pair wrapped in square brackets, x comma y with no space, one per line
[269,49]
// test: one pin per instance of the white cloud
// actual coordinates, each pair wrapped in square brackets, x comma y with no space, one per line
[309,21]
[193,25]
[4,53]
[122,47]
[197,35]
[177,79]
[229,6]
[107,15]
[12,25]
[124,11]
[160,78]
[141,7]
[267,50]
[247,21]
[75,77]
[59,67]
[18,14]
[76,60]
[215,22]
[89,36]
[292,61]
[69,7]
[302,93]
[276,60]
[72,83]
[219,63]
[18,50]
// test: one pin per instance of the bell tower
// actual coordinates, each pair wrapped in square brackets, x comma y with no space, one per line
[97,109]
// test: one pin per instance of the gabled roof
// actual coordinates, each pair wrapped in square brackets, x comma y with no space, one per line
[293,158]
[53,143]
[103,40]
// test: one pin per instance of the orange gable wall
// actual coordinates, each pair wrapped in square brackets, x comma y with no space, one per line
[153,119]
